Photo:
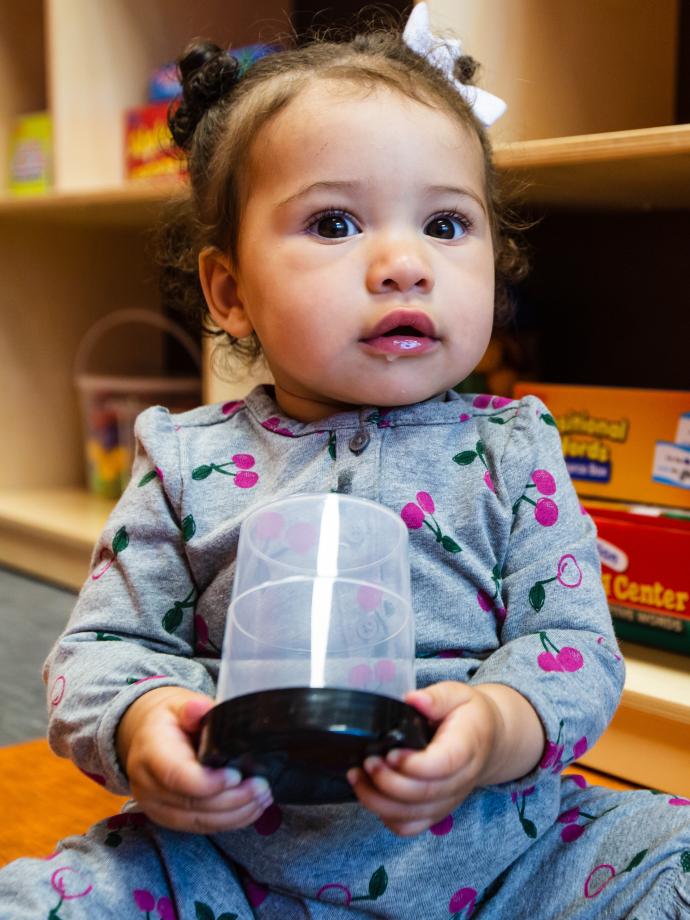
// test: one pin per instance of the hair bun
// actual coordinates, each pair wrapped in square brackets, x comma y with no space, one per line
[207,73]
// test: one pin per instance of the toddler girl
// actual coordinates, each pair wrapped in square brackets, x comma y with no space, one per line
[347,219]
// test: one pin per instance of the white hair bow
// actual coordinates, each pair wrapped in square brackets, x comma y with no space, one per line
[442,53]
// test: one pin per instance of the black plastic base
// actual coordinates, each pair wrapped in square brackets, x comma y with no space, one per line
[305,739]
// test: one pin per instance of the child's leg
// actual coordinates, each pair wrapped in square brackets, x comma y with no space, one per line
[610,855]
[125,867]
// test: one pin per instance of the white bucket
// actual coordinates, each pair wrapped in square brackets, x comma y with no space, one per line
[110,403]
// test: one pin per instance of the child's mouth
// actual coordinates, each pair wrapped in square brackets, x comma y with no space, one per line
[402,333]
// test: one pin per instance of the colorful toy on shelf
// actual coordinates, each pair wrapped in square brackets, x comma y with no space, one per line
[31,154]
[149,147]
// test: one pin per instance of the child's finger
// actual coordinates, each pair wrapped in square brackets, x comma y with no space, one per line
[392,810]
[403,787]
[211,822]
[449,752]
[254,790]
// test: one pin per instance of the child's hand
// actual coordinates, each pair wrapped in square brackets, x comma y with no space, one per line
[155,745]
[475,744]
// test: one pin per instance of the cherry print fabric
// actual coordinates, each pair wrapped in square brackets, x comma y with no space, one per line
[506,588]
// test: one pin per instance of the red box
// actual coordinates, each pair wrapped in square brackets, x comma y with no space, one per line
[149,147]
[645,556]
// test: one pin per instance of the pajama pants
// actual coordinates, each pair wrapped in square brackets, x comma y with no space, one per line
[610,855]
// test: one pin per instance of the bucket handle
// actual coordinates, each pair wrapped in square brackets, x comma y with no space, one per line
[132,315]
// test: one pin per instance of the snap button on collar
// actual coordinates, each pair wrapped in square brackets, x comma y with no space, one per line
[359,441]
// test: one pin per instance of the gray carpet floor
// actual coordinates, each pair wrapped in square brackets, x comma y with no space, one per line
[32,615]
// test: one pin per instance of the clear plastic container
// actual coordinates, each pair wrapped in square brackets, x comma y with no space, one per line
[319,648]
[321,598]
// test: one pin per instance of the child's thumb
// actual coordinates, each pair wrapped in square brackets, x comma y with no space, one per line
[192,711]
[438,700]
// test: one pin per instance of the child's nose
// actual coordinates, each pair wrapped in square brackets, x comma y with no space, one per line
[399,267]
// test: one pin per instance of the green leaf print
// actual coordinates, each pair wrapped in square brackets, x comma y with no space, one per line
[172,618]
[635,861]
[537,596]
[529,827]
[203,911]
[113,840]
[120,540]
[378,883]
[105,637]
[202,472]
[331,444]
[147,478]
[188,528]
[450,544]
[495,420]
[548,419]
[465,457]
[685,861]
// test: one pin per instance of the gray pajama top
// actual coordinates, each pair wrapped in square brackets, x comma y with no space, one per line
[506,589]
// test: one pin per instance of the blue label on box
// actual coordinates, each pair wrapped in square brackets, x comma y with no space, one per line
[589,470]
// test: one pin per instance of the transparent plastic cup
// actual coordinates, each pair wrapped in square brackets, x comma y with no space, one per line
[321,598]
[319,647]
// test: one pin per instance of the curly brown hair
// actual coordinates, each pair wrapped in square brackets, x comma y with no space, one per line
[221,111]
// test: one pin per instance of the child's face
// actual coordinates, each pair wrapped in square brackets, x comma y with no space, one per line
[364,214]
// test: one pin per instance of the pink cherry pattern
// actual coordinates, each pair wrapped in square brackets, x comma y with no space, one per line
[462,903]
[415,516]
[57,691]
[231,407]
[340,894]
[568,574]
[274,424]
[604,873]
[545,509]
[442,827]
[555,659]
[243,477]
[544,482]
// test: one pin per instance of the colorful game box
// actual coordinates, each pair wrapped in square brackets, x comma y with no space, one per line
[149,147]
[625,444]
[645,557]
[31,154]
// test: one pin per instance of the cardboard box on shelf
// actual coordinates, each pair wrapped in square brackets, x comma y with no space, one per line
[619,443]
[31,154]
[644,553]
[149,148]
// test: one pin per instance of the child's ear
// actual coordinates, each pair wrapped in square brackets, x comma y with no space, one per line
[219,285]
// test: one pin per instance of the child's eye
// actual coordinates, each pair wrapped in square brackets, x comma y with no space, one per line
[333,225]
[447,226]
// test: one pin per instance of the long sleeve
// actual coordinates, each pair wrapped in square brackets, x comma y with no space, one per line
[557,644]
[132,628]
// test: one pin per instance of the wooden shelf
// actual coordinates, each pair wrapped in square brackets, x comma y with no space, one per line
[628,170]
[50,533]
[653,721]
[132,203]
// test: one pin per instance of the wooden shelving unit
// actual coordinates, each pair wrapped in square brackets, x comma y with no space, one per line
[71,256]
